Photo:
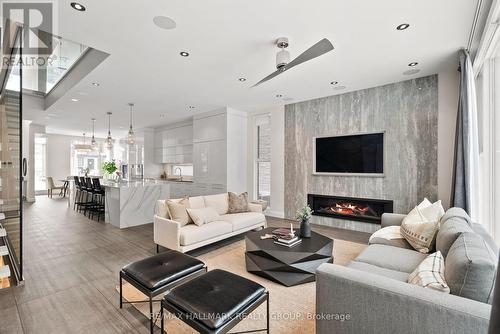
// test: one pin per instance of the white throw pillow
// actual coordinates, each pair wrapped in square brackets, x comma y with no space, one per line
[196,202]
[219,202]
[430,273]
[425,203]
[420,226]
[388,233]
[203,215]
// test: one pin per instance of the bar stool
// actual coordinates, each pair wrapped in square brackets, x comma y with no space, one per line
[78,194]
[98,198]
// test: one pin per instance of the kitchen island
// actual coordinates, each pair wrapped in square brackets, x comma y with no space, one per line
[132,203]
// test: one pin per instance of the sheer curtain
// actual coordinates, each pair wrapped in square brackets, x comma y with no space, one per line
[465,192]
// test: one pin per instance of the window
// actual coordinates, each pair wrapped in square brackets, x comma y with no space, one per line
[81,161]
[185,170]
[263,157]
[40,163]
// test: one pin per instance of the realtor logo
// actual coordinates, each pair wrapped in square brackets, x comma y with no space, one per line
[37,19]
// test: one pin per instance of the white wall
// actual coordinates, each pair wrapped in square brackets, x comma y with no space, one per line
[277,205]
[448,83]
[59,156]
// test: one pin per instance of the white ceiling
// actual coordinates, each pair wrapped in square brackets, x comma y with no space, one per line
[228,39]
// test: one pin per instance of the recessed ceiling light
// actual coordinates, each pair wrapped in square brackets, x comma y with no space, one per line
[334,83]
[191,107]
[77,6]
[279,96]
[411,72]
[95,84]
[74,100]
[403,26]
[413,64]
[164,22]
[242,79]
[340,87]
[184,54]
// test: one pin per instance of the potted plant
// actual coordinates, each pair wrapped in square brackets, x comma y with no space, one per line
[109,168]
[303,215]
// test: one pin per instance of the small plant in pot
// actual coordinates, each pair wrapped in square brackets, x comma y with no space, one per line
[109,167]
[303,216]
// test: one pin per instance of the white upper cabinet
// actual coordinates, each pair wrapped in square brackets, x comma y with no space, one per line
[209,128]
[174,145]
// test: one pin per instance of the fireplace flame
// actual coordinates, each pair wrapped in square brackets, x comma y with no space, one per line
[350,209]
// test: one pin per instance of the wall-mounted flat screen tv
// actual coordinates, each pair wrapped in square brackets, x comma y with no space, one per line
[351,154]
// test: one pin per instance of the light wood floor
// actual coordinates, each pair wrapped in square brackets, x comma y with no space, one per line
[71,267]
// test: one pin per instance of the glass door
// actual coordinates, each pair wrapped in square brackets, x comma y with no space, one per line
[11,165]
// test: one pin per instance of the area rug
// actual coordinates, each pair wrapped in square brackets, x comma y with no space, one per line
[291,308]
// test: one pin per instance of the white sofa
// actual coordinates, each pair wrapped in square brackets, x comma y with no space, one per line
[170,234]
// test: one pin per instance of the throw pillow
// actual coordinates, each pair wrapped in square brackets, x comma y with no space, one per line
[471,268]
[178,212]
[420,226]
[218,202]
[450,229]
[390,236]
[430,273]
[238,203]
[203,215]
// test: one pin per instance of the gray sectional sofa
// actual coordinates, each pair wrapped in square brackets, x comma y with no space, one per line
[371,294]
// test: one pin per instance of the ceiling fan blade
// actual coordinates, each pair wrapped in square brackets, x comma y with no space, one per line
[314,51]
[269,77]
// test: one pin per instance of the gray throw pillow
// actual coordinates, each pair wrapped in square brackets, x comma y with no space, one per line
[238,203]
[470,268]
[449,231]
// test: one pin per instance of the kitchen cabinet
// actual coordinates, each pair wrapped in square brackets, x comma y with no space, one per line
[209,162]
[209,128]
[218,137]
[174,145]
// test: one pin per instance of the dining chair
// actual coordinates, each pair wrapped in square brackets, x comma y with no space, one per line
[51,186]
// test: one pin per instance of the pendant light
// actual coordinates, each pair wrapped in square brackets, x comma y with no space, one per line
[93,141]
[131,135]
[109,139]
[83,147]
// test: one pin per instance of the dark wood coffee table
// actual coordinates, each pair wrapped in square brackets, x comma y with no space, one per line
[288,266]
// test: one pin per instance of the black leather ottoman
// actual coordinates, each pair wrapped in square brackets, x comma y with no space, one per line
[215,302]
[157,274]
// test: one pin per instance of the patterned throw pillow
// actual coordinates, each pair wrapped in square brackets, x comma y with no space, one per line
[420,226]
[430,273]
[177,211]
[238,203]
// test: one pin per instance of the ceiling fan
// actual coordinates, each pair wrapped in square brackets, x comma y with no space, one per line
[283,62]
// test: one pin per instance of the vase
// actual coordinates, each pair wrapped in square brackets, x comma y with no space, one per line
[305,228]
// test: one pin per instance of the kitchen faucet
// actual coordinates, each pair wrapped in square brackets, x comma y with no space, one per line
[180,172]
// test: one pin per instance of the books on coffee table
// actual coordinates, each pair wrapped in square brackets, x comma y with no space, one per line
[281,232]
[286,244]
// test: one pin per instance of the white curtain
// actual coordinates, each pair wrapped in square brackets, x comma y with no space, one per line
[465,192]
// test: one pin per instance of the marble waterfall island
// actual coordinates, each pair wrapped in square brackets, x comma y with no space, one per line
[132,203]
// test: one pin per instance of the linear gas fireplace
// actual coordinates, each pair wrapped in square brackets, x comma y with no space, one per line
[361,209]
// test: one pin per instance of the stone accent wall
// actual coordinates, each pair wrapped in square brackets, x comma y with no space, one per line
[408,113]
